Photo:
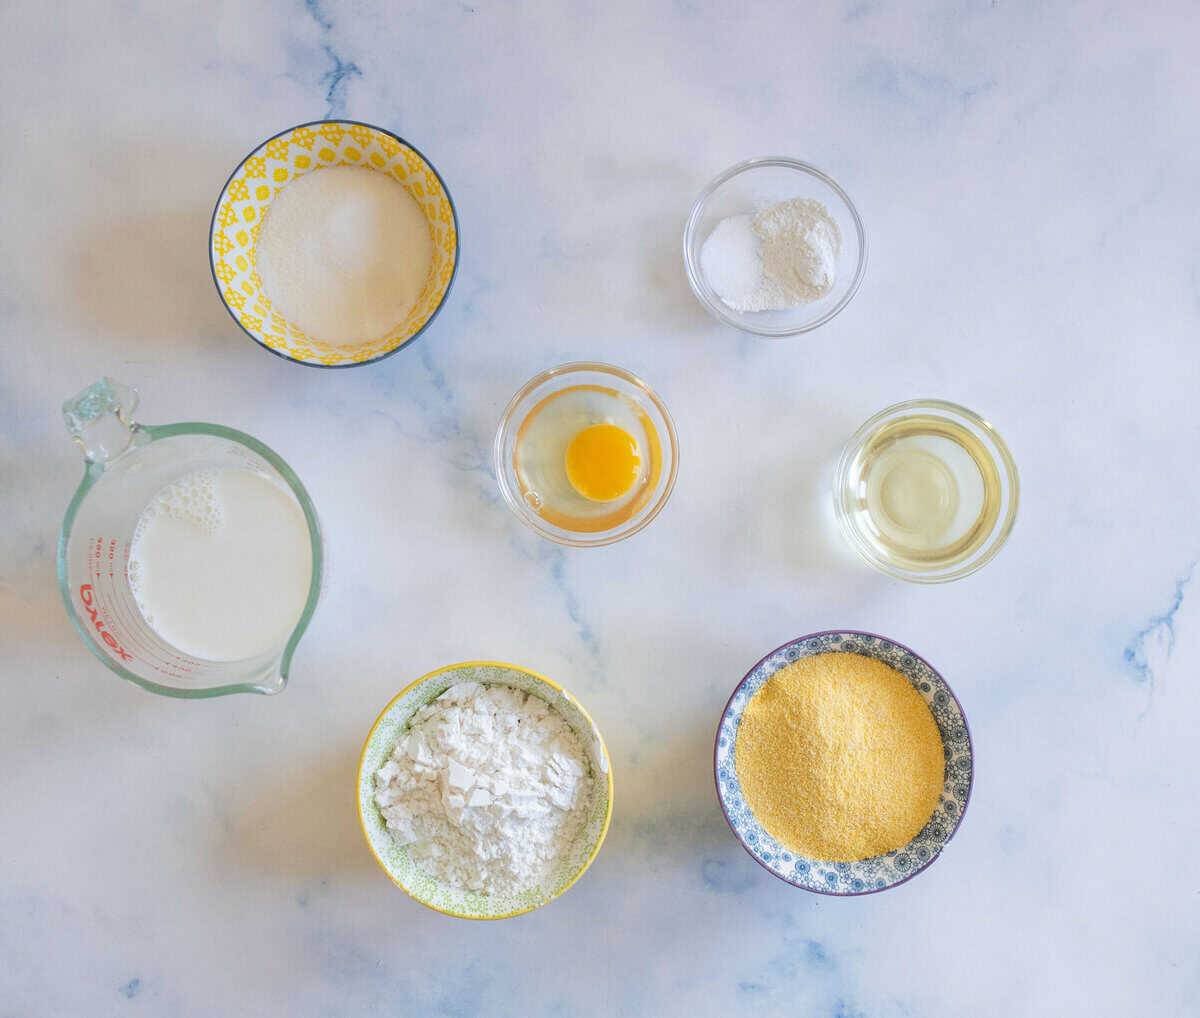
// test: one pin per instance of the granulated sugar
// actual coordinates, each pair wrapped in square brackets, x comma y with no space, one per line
[489,787]
[344,253]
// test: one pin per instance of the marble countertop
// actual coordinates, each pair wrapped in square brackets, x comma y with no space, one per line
[1027,173]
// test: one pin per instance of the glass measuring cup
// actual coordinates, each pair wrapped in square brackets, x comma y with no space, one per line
[127,464]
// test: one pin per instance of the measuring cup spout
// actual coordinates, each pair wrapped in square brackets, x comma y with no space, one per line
[273,682]
[100,420]
[276,678]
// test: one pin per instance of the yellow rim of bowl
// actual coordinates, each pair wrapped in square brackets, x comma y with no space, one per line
[557,688]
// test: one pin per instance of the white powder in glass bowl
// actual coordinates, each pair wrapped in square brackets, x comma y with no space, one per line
[778,258]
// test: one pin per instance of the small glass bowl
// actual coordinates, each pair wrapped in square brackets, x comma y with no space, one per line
[750,186]
[555,380]
[845,495]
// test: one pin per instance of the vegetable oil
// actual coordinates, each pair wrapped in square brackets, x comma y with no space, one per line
[924,493]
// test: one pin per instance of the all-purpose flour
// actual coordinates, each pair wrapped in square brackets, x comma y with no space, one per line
[489,787]
[779,258]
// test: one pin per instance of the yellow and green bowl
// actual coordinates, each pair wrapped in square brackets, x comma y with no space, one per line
[394,858]
[248,194]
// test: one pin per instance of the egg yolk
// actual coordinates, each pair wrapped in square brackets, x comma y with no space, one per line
[602,462]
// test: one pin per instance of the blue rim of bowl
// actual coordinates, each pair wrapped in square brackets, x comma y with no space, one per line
[970,746]
[449,286]
[693,273]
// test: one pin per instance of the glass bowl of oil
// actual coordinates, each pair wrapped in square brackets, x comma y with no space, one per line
[586,454]
[926,491]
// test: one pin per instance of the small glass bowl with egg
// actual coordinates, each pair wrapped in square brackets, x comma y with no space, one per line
[586,454]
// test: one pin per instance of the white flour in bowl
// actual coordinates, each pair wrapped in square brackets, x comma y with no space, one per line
[780,258]
[489,787]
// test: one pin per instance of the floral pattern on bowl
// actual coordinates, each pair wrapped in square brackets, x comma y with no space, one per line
[394,858]
[247,196]
[880,872]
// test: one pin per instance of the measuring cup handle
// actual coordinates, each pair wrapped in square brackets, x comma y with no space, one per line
[100,419]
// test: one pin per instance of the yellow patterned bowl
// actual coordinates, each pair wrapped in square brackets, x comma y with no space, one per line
[252,187]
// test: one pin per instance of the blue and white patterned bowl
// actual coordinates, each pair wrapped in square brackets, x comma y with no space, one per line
[880,872]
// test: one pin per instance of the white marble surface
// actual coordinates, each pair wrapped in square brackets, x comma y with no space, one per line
[1027,173]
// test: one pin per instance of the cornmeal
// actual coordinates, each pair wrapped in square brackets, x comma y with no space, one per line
[839,758]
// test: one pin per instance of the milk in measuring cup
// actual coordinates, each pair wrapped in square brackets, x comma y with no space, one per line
[221,563]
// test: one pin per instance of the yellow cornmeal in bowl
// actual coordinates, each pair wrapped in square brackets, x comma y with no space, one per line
[839,758]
